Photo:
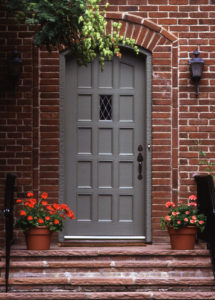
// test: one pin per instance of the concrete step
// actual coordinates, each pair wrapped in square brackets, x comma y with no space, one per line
[110,295]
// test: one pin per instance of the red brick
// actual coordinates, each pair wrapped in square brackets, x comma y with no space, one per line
[152,25]
[148,8]
[133,19]
[175,2]
[168,35]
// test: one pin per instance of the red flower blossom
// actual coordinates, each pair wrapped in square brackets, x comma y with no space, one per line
[30,194]
[175,213]
[30,218]
[71,215]
[167,218]
[44,203]
[56,221]
[64,206]
[18,201]
[57,206]
[169,204]
[47,218]
[22,213]
[40,221]
[29,204]
[192,197]
[44,195]
[192,204]
[49,207]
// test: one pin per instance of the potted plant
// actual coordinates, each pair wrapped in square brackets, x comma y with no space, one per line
[38,219]
[182,222]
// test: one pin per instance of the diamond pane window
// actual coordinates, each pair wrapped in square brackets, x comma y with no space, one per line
[105,107]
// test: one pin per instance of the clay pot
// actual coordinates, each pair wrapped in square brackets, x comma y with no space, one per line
[38,238]
[183,238]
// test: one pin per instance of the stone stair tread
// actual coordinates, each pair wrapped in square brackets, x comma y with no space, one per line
[105,272]
[110,295]
[68,280]
[105,251]
[110,264]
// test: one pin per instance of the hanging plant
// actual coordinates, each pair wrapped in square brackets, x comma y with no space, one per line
[78,25]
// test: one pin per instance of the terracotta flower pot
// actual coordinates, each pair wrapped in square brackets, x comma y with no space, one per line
[183,238]
[38,238]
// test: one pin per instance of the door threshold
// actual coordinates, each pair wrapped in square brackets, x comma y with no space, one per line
[104,237]
[102,241]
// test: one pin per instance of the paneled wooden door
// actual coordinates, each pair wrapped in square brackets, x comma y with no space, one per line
[104,136]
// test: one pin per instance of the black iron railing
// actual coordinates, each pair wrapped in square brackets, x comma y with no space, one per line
[206,205]
[9,219]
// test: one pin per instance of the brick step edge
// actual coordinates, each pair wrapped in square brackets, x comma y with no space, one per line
[110,295]
[111,281]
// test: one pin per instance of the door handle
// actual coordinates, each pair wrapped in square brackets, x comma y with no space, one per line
[140,162]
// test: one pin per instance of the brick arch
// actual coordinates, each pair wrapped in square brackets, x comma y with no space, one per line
[146,33]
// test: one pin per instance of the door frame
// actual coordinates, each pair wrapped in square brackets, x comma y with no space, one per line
[148,182]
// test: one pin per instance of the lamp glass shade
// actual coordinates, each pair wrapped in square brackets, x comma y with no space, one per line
[196,70]
[15,65]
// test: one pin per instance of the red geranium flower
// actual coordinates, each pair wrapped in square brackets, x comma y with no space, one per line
[169,204]
[57,206]
[49,207]
[44,195]
[192,197]
[39,212]
[30,194]
[71,215]
[22,213]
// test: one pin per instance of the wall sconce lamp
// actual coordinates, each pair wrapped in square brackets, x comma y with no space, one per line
[196,68]
[14,69]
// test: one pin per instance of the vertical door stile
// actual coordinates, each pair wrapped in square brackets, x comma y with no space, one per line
[94,142]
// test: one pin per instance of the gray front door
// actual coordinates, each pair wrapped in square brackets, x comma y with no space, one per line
[104,131]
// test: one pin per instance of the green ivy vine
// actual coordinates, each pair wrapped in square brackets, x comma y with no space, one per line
[78,25]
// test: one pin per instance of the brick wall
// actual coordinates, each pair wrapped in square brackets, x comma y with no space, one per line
[29,123]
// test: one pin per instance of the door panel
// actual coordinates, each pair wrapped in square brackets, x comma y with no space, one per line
[104,122]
